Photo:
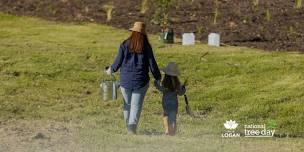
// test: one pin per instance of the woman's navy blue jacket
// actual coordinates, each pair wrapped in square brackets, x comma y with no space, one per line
[134,67]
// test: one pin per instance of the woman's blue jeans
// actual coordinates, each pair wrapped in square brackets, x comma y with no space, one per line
[133,101]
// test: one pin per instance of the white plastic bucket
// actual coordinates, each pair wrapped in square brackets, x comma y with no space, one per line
[214,39]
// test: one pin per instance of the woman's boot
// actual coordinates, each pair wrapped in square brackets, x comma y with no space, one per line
[172,127]
[132,129]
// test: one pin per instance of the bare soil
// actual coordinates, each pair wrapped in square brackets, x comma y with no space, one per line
[22,135]
[240,23]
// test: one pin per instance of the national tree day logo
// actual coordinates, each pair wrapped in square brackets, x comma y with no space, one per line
[230,126]
[251,130]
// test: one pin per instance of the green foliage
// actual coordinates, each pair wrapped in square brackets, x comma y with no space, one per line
[271,124]
[216,12]
[268,15]
[161,15]
[255,4]
[291,31]
[199,29]
[298,4]
[109,10]
[144,7]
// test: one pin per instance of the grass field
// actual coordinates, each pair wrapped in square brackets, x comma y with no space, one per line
[50,74]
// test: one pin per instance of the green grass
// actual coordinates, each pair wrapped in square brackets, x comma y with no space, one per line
[52,71]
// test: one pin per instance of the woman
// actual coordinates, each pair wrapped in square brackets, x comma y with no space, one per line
[135,58]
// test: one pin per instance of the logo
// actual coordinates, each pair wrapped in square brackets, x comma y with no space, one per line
[250,130]
[254,130]
[230,125]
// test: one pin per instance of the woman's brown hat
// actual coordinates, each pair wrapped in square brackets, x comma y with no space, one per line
[139,27]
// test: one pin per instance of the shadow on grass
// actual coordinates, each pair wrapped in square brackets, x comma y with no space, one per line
[152,132]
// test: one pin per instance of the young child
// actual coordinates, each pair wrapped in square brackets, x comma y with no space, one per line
[170,88]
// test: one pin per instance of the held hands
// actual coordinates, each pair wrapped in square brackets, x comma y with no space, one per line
[156,83]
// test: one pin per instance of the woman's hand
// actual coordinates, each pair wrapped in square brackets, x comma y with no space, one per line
[108,70]
[158,86]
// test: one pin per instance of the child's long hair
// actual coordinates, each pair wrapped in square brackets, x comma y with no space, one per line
[171,82]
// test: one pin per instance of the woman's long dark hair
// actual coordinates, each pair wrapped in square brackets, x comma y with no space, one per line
[171,82]
[137,41]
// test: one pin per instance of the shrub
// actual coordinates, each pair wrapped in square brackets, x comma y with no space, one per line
[298,4]
[109,9]
[199,30]
[161,15]
[216,12]
[255,4]
[268,15]
[144,6]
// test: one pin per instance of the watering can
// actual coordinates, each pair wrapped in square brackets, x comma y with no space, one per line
[109,89]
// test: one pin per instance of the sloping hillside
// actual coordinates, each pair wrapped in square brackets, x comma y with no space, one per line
[50,98]
[270,25]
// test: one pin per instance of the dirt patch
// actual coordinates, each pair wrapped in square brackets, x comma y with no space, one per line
[270,25]
[40,136]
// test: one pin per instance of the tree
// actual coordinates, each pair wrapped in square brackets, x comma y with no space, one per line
[161,15]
